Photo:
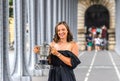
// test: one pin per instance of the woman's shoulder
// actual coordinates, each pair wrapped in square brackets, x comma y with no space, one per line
[73,43]
[74,48]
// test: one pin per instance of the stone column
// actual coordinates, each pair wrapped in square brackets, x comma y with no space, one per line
[111,30]
[80,24]
[67,11]
[59,10]
[33,31]
[111,39]
[48,21]
[117,28]
[20,64]
[74,18]
[4,41]
[55,15]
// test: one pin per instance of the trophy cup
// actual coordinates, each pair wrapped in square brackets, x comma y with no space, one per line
[44,52]
[42,59]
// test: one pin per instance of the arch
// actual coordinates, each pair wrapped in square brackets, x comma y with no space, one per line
[97,15]
[83,6]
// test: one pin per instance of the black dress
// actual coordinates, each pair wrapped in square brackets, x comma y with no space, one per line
[59,71]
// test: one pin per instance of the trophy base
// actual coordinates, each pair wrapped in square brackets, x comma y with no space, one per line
[43,62]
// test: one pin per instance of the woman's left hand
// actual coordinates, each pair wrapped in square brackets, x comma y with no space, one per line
[53,51]
[36,49]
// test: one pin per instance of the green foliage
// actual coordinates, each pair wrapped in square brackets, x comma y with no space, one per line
[10,8]
[10,2]
[10,12]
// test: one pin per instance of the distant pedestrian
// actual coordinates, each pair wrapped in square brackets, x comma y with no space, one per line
[104,36]
[93,30]
[89,40]
[97,42]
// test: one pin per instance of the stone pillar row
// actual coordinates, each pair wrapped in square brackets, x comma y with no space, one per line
[34,24]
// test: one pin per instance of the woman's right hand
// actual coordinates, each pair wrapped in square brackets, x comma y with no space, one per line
[36,49]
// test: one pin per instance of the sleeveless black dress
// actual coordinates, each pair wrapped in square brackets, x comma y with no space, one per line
[59,71]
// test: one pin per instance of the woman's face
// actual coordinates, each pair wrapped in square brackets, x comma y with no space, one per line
[62,31]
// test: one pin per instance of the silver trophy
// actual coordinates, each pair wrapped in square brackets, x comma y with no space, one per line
[44,52]
[43,57]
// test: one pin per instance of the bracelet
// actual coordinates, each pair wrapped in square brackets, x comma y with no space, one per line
[58,55]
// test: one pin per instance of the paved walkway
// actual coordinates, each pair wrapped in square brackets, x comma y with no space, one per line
[95,66]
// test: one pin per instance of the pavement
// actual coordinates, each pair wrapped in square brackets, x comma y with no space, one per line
[95,66]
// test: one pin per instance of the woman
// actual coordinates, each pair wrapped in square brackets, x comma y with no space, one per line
[89,42]
[97,42]
[63,54]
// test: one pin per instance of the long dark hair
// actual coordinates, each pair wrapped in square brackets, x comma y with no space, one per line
[69,35]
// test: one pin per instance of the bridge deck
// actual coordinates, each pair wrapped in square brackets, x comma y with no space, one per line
[95,66]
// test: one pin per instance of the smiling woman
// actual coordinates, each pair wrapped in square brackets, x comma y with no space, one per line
[63,56]
[64,52]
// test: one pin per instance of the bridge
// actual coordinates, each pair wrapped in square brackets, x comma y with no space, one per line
[34,22]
